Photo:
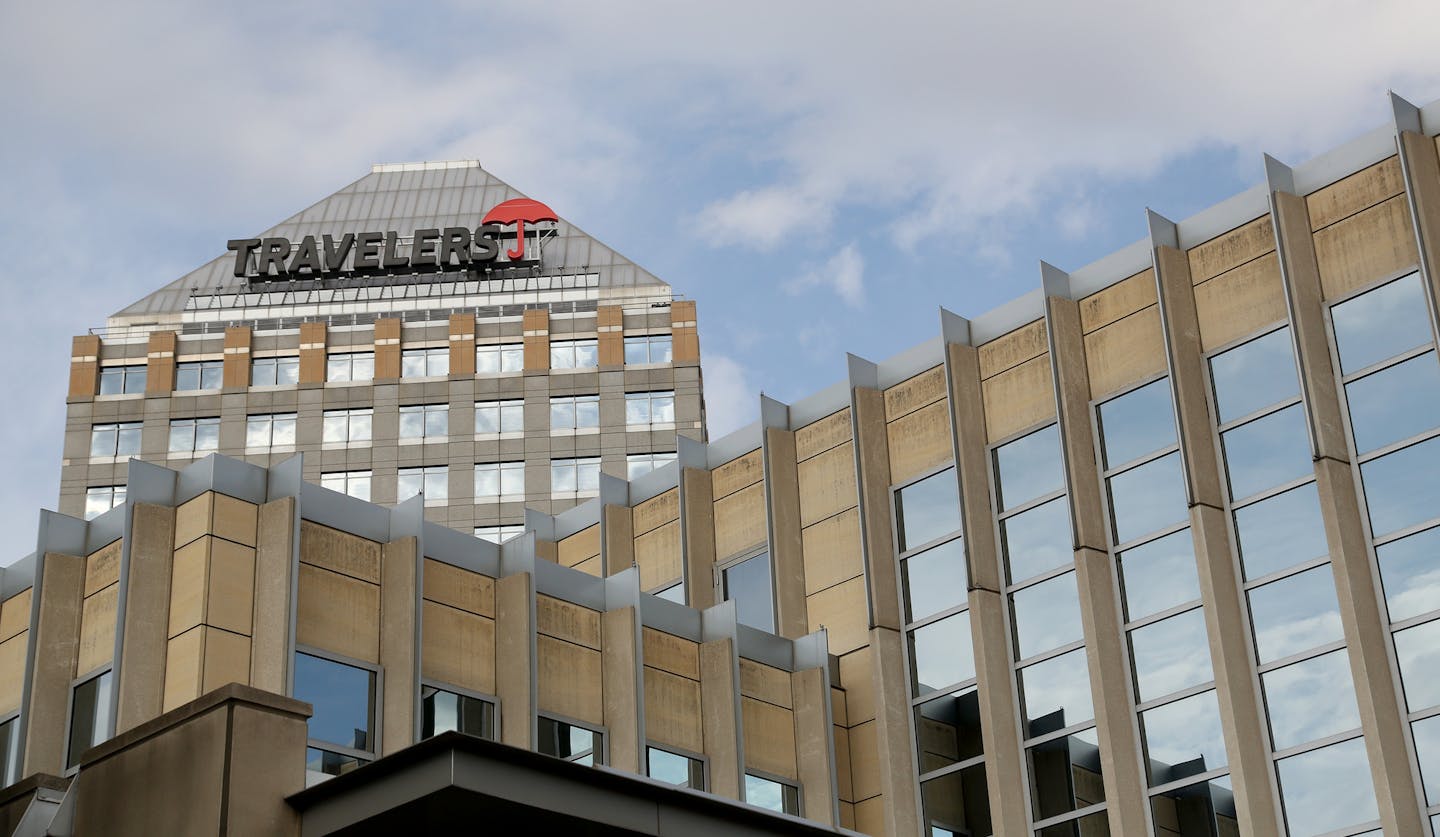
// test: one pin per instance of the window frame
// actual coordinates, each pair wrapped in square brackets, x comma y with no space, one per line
[201,368]
[105,668]
[377,701]
[128,371]
[122,490]
[779,780]
[599,729]
[195,423]
[501,350]
[652,744]
[572,345]
[499,527]
[576,462]
[116,427]
[477,497]
[350,474]
[425,473]
[424,410]
[673,456]
[441,685]
[649,339]
[349,358]
[720,567]
[574,401]
[274,362]
[270,423]
[650,423]
[349,413]
[429,356]
[500,405]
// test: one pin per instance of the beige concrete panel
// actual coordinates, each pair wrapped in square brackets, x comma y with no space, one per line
[619,539]
[671,653]
[827,483]
[657,553]
[1189,379]
[312,353]
[1124,352]
[870,816]
[673,710]
[265,768]
[12,671]
[230,602]
[192,518]
[1120,300]
[844,786]
[815,757]
[387,348]
[1423,163]
[786,552]
[338,613]
[920,442]
[590,566]
[1022,344]
[832,551]
[270,642]
[892,733]
[515,658]
[234,520]
[822,435]
[102,568]
[769,737]
[339,552]
[740,521]
[15,613]
[399,589]
[840,610]
[685,333]
[462,344]
[719,693]
[1020,397]
[698,514]
[537,339]
[1072,395]
[973,463]
[184,662]
[570,622]
[1230,250]
[459,588]
[609,319]
[84,374]
[147,614]
[1366,247]
[913,393]
[874,457]
[656,512]
[622,688]
[581,546]
[187,586]
[97,629]
[160,365]
[766,683]
[737,474]
[857,677]
[227,659]
[1240,302]
[1355,193]
[457,647]
[569,680]
[864,761]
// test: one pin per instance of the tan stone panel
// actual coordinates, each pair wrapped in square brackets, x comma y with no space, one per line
[672,710]
[657,553]
[459,588]
[827,483]
[656,512]
[737,474]
[97,629]
[766,683]
[838,711]
[1232,249]
[1118,301]
[15,613]
[12,671]
[1125,352]
[567,621]
[457,647]
[312,360]
[192,518]
[183,659]
[769,737]
[864,761]
[1240,302]
[858,680]
[231,587]
[842,611]
[1010,350]
[832,551]
[870,816]
[102,568]
[844,787]
[671,653]
[580,546]
[822,435]
[913,393]
[338,613]
[234,520]
[590,566]
[919,442]
[187,586]
[569,680]
[1020,397]
[1358,192]
[227,659]
[1365,247]
[339,552]
[740,521]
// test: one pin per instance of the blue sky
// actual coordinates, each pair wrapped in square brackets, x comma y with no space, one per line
[819,176]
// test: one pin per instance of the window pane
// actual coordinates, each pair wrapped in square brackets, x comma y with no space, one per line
[1037,540]
[1280,532]
[660,349]
[1267,452]
[1295,614]
[637,409]
[512,478]
[947,729]
[487,480]
[1310,700]
[1065,774]
[935,579]
[1090,825]
[1055,693]
[448,712]
[1147,498]
[1253,376]
[1183,738]
[748,585]
[674,768]
[412,422]
[407,483]
[1410,573]
[282,430]
[957,803]
[636,350]
[112,381]
[1171,655]
[1029,467]
[358,485]
[102,440]
[343,697]
[331,764]
[1204,809]
[1381,323]
[562,476]
[437,421]
[1418,651]
[1159,575]
[182,436]
[1427,749]
[487,418]
[360,426]
[587,411]
[127,440]
[941,653]
[257,432]
[1395,403]
[1137,423]
[569,742]
[89,716]
[287,370]
[1327,789]
[1046,615]
[927,510]
[562,413]
[337,368]
[1403,488]
[512,416]
[775,796]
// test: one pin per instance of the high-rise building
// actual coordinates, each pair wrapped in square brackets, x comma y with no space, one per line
[1149,551]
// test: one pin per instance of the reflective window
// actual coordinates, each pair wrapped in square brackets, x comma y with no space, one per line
[1159,575]
[507,416]
[499,357]
[1395,403]
[331,763]
[1046,615]
[1147,498]
[432,481]
[574,354]
[1427,750]
[650,407]
[271,430]
[1327,789]
[648,348]
[196,435]
[927,509]
[1183,738]
[947,730]
[674,768]
[1204,809]
[347,426]
[748,584]
[274,371]
[776,796]
[934,580]
[1139,422]
[1170,655]
[423,363]
[1410,573]
[1267,452]
[499,479]
[102,498]
[199,375]
[499,534]
[1253,376]
[1381,323]
[354,483]
[351,366]
[7,739]
[122,439]
[443,711]
[1029,467]
[1403,488]
[1065,774]
[1037,540]
[343,697]
[581,475]
[1418,651]
[957,803]
[1310,700]
[1280,532]
[569,742]
[1090,825]
[425,421]
[118,380]
[89,716]
[941,653]
[574,412]
[674,593]
[639,464]
[1055,693]
[1296,613]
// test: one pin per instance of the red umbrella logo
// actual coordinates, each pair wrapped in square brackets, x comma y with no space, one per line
[518,212]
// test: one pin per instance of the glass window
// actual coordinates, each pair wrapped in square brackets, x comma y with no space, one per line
[199,375]
[652,348]
[1327,789]
[1170,655]
[118,380]
[1183,738]
[499,479]
[1427,750]
[425,421]
[274,371]
[574,354]
[1295,614]
[1037,540]
[425,363]
[1382,323]
[432,481]
[1310,700]
[1029,467]
[351,366]
[347,426]
[499,534]
[1091,824]
[935,580]
[1267,452]
[1046,615]
[947,730]
[343,697]
[270,430]
[957,803]
[1253,376]
[941,653]
[570,742]
[1065,774]
[1280,532]
[1410,574]
[89,716]
[574,412]
[927,509]
[1418,651]
[102,498]
[580,475]
[1147,498]
[1403,488]
[674,593]
[122,439]
[507,416]
[1139,422]
[501,357]
[354,483]
[748,584]
[649,408]
[1204,809]
[1055,693]
[7,739]
[674,768]
[776,796]
[443,711]
[194,435]
[638,464]
[1159,575]
[1395,403]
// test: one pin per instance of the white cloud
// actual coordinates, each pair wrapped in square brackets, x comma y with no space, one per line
[843,273]
[730,400]
[761,219]
[1078,219]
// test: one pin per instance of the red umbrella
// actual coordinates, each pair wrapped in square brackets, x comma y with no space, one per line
[517,212]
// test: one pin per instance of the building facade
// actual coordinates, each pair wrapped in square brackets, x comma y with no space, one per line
[1149,551]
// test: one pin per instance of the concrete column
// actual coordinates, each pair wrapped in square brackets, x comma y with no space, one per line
[146,634]
[622,687]
[782,494]
[873,470]
[515,658]
[275,559]
[720,724]
[312,353]
[697,511]
[399,634]
[618,548]
[814,747]
[387,348]
[894,745]
[462,344]
[55,649]
[1421,169]
[84,367]
[236,365]
[537,339]
[684,336]
[160,363]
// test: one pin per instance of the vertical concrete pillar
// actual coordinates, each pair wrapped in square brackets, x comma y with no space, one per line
[387,348]
[610,335]
[872,458]
[515,658]
[146,634]
[1421,168]
[893,745]
[697,511]
[55,649]
[622,688]
[814,750]
[235,370]
[782,494]
[684,336]
[618,550]
[537,339]
[84,366]
[160,363]
[399,634]
[720,726]
[462,344]
[274,569]
[312,353]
